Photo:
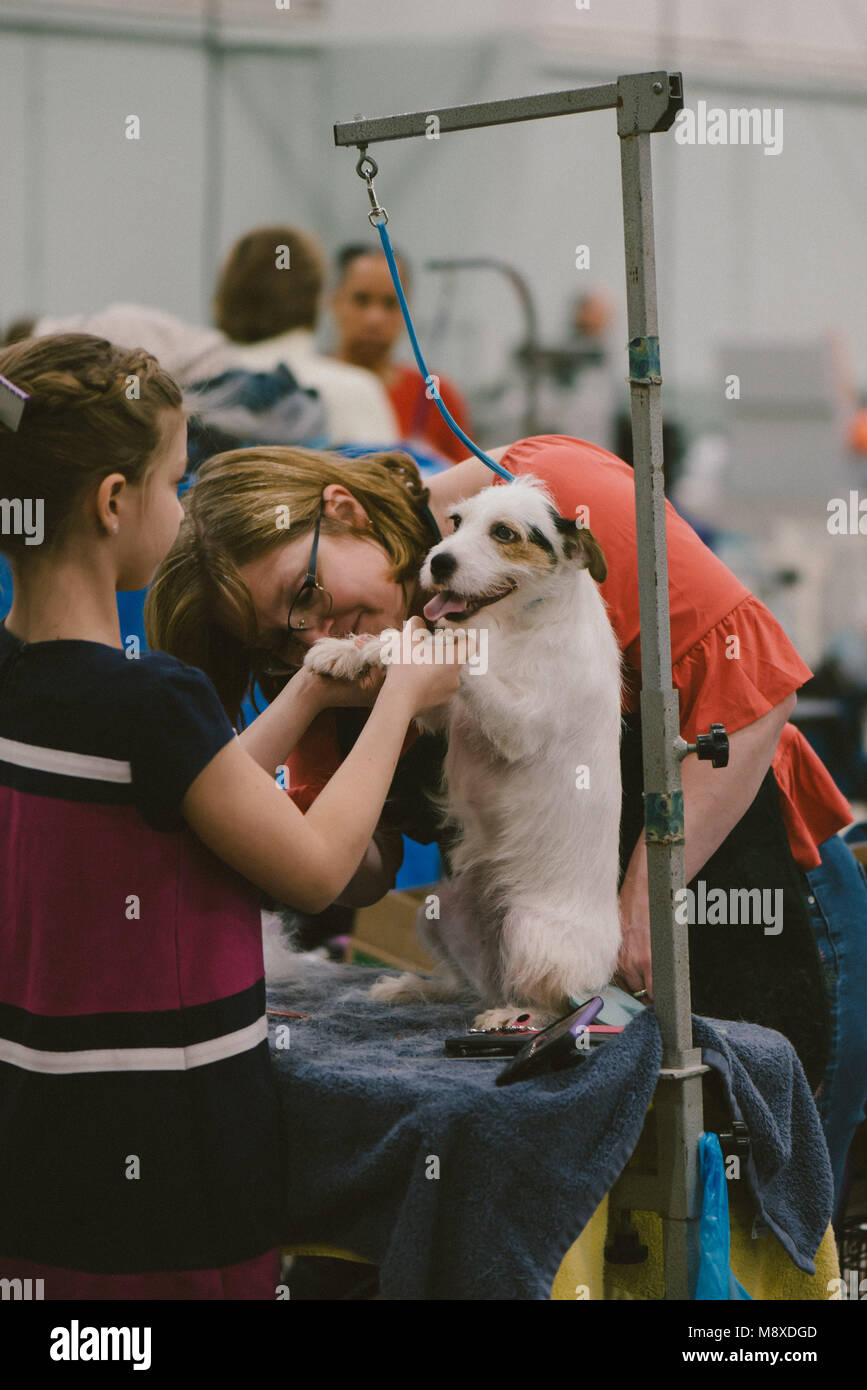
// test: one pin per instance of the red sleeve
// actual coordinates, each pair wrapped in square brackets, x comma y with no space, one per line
[741,669]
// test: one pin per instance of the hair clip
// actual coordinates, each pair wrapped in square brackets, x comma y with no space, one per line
[12,403]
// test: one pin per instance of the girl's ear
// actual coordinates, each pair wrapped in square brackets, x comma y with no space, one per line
[581,545]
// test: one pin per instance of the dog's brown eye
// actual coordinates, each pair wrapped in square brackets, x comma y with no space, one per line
[503,533]
[455,520]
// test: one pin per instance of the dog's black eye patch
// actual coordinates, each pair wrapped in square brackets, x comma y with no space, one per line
[562,523]
[539,538]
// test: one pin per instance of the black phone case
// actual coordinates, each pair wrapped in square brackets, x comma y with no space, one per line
[486,1044]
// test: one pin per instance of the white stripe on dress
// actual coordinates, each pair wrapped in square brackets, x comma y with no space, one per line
[67,764]
[135,1058]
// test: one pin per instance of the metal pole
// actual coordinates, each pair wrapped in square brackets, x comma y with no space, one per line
[678,1101]
[212,181]
[645,102]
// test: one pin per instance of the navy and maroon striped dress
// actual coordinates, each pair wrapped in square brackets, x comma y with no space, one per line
[139,1121]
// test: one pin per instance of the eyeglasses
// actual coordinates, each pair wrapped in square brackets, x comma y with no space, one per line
[312,604]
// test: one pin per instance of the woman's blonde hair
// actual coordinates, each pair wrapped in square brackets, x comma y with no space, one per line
[235,514]
[94,409]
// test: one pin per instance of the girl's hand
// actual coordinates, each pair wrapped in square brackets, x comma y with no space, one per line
[360,693]
[433,681]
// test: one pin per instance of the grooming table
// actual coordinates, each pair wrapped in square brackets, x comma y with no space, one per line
[457,1189]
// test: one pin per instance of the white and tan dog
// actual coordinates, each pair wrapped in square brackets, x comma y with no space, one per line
[530,915]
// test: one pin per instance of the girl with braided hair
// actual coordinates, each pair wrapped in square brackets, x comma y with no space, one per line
[139,1131]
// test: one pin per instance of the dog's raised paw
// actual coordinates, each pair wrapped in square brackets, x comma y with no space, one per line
[338,657]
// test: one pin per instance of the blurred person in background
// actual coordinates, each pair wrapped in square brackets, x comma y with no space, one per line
[369,326]
[266,307]
[267,304]
[580,379]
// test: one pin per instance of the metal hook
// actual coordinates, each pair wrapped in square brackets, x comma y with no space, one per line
[367,169]
[366,159]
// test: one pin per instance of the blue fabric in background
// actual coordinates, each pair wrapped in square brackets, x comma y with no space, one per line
[428,463]
[421,865]
[5,587]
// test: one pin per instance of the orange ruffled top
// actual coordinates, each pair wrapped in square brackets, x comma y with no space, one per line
[731,660]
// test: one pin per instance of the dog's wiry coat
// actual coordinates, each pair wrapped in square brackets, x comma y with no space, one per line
[532,774]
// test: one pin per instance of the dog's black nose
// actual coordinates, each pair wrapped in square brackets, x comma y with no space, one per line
[442,565]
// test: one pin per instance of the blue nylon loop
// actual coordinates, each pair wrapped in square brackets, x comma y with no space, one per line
[430,381]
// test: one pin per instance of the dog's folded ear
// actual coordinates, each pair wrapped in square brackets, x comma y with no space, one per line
[579,543]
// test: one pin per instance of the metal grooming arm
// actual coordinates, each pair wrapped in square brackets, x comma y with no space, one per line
[645,103]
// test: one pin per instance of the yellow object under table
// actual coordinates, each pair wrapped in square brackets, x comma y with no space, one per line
[761,1264]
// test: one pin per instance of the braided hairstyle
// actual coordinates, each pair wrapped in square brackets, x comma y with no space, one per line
[94,409]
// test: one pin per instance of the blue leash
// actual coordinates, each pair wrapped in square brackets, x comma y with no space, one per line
[378,218]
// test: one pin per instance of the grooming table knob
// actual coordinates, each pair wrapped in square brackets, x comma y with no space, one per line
[735,1143]
[713,747]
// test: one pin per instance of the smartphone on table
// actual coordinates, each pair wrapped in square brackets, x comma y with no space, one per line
[535,1051]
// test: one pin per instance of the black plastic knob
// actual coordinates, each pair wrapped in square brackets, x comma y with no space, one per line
[736,1143]
[713,747]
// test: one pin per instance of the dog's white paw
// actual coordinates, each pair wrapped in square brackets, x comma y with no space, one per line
[497,1018]
[342,658]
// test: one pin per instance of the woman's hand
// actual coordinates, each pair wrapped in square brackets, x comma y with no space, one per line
[634,970]
[434,680]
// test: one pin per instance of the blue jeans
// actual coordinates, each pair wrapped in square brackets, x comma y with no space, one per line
[837,894]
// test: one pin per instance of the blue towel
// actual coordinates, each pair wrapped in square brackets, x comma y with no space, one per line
[788,1170]
[372,1106]
[457,1188]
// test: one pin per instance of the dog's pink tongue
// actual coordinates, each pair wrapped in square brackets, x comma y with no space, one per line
[441,604]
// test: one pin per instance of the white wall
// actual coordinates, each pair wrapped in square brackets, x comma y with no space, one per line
[747,242]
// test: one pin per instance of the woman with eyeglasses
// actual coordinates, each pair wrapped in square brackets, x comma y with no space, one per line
[282,546]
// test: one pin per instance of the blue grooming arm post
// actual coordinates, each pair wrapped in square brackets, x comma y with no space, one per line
[645,103]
